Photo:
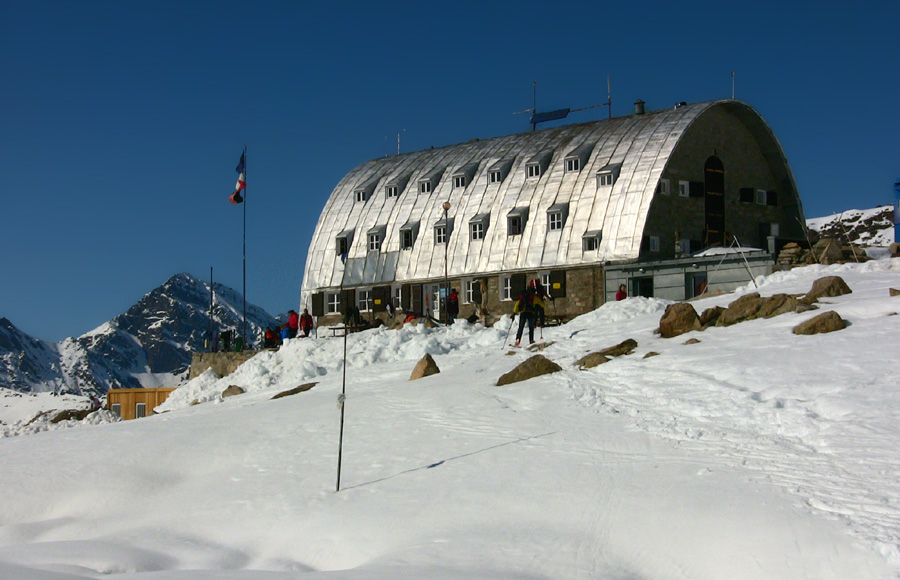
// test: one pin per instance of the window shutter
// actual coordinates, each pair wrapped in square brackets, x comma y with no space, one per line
[772,198]
[348,299]
[517,284]
[697,189]
[557,284]
[476,291]
[747,194]
[416,298]
[405,297]
[318,304]
[381,297]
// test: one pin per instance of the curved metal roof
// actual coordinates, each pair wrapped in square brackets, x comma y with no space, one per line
[636,148]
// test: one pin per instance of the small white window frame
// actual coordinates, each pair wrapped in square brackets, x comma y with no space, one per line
[391,191]
[477,231]
[140,410]
[116,408]
[361,195]
[554,221]
[665,187]
[684,188]
[762,198]
[440,235]
[424,187]
[495,177]
[605,179]
[374,242]
[459,181]
[589,244]
[654,243]
[534,170]
[506,288]
[364,299]
[469,291]
[332,303]
[573,165]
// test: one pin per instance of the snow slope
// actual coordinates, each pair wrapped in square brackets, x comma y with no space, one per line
[754,454]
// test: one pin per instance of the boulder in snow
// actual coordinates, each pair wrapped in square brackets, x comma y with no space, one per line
[425,367]
[592,360]
[825,322]
[678,319]
[827,286]
[893,292]
[534,367]
[295,390]
[232,391]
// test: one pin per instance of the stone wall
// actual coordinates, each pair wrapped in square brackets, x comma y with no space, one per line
[222,363]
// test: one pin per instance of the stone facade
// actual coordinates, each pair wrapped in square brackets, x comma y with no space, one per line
[222,363]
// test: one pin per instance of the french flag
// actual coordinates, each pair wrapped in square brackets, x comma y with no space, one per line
[235,197]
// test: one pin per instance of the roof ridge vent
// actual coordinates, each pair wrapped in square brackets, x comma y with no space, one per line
[639,107]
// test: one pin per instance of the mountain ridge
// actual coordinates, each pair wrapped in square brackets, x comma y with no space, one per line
[149,345]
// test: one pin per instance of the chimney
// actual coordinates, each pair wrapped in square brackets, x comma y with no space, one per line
[639,107]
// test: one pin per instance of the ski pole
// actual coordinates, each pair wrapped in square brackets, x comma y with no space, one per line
[507,332]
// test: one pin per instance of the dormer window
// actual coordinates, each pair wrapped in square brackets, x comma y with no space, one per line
[478,226]
[374,237]
[663,187]
[464,175]
[361,195]
[364,191]
[577,158]
[408,233]
[498,171]
[590,241]
[607,175]
[396,186]
[556,216]
[430,182]
[442,230]
[459,181]
[391,191]
[515,221]
[536,166]
[684,188]
[343,241]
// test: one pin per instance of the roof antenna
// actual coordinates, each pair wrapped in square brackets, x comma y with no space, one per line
[533,109]
[732,85]
[608,98]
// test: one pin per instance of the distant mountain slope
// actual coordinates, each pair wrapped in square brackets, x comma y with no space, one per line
[148,346]
[867,227]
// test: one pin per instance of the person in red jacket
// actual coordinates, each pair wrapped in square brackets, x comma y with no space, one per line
[306,322]
[293,324]
[621,294]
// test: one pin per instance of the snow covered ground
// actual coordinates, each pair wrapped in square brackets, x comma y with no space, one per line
[753,454]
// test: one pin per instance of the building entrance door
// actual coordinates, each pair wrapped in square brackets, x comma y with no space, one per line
[714,173]
[434,301]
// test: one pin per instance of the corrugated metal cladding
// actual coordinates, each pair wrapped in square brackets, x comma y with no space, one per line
[519,175]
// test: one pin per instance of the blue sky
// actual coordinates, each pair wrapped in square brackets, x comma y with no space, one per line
[122,122]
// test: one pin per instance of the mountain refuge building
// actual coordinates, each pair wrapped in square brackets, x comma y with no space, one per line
[654,200]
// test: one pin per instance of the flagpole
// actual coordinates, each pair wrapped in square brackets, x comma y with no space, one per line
[245,247]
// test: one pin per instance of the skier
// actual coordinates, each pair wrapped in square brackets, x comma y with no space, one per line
[540,297]
[525,309]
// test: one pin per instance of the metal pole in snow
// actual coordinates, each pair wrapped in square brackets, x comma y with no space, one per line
[245,247]
[343,396]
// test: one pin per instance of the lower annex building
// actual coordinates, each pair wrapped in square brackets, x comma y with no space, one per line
[637,200]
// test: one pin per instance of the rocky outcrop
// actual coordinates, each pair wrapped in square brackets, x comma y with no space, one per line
[533,367]
[425,367]
[678,319]
[592,360]
[753,306]
[709,316]
[825,322]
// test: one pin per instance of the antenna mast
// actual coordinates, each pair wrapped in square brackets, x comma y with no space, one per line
[732,85]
